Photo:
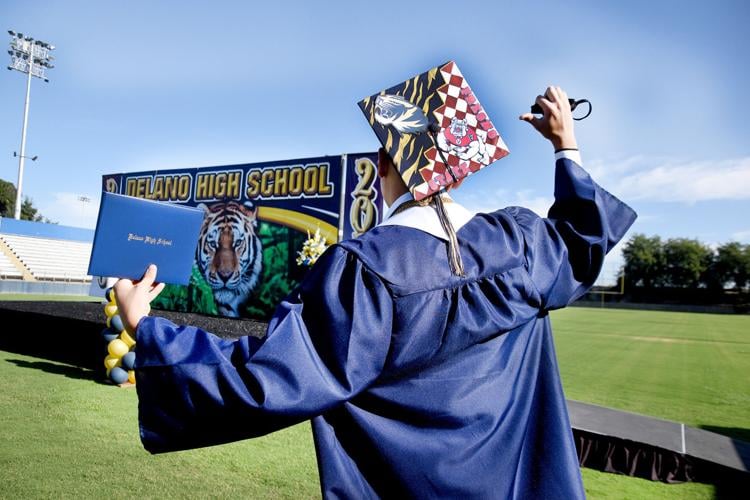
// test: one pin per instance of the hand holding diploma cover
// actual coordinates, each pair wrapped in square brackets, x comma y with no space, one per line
[132,233]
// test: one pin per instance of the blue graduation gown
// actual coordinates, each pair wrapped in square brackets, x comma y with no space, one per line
[419,383]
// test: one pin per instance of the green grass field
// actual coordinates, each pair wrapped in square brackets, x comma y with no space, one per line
[66,434]
[690,368]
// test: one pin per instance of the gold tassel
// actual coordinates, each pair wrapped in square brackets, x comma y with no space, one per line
[454,255]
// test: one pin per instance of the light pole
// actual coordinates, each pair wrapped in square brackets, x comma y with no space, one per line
[84,200]
[33,58]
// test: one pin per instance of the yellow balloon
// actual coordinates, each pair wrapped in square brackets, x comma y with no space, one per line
[125,337]
[117,348]
[110,362]
[131,376]
[110,310]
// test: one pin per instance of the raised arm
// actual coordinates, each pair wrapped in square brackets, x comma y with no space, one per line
[565,251]
[325,343]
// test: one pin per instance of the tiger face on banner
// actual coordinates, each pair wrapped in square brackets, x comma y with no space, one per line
[229,254]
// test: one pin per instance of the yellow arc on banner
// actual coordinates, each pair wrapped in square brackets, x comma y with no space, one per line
[298,221]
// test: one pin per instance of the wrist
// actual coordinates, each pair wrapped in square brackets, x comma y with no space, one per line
[561,143]
[132,326]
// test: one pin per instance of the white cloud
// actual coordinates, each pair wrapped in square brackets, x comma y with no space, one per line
[668,180]
[207,154]
[68,210]
[483,201]
[741,236]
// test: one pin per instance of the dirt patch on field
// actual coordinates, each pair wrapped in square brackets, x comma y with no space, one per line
[664,340]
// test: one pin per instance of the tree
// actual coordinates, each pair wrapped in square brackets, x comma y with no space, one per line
[8,204]
[686,262]
[7,198]
[29,212]
[732,265]
[644,261]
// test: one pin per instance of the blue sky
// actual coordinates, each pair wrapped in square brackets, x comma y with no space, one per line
[142,85]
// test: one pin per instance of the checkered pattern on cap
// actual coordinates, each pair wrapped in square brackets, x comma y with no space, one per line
[458,102]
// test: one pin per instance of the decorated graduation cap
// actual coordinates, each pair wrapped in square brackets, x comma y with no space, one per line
[434,129]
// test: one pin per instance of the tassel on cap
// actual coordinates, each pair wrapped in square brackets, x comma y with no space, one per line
[454,256]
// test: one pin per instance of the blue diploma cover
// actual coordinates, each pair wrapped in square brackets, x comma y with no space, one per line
[132,233]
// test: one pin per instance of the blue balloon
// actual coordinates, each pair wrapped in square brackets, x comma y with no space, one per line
[116,323]
[110,334]
[128,361]
[109,337]
[118,375]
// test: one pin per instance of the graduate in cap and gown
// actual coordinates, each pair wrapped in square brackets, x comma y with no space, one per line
[427,371]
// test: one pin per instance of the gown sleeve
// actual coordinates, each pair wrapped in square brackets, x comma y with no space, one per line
[565,251]
[325,343]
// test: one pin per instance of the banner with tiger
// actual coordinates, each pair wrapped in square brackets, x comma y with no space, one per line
[264,225]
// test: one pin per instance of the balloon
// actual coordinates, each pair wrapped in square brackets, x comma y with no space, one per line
[110,337]
[117,348]
[110,310]
[115,322]
[109,334]
[110,362]
[128,361]
[125,337]
[118,375]
[131,377]
[109,294]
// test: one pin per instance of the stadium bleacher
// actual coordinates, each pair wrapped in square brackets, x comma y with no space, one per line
[8,269]
[50,259]
[48,252]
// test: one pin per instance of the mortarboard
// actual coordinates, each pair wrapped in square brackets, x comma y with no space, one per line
[434,129]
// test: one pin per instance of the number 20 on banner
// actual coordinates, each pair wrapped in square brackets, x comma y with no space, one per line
[363,213]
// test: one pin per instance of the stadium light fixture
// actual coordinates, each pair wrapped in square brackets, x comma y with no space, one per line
[31,57]
[32,158]
[84,200]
